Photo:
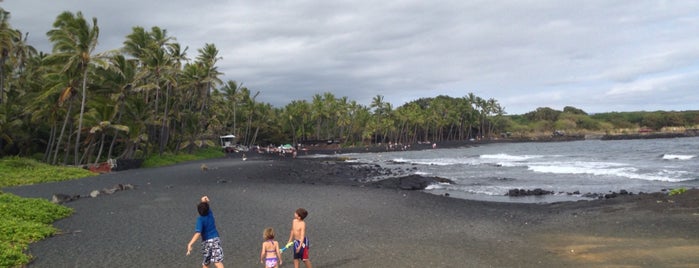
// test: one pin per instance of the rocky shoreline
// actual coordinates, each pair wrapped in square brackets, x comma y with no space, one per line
[338,171]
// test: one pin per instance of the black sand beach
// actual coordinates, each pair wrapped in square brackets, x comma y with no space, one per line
[354,225]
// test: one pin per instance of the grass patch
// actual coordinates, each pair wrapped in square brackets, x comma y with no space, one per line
[170,159]
[24,171]
[23,221]
[26,220]
[677,191]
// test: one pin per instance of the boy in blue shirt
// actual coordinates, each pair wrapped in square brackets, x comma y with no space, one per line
[206,229]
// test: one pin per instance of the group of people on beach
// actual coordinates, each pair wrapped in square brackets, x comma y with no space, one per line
[270,255]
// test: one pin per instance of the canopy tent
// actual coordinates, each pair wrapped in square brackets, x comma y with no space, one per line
[227,141]
[287,146]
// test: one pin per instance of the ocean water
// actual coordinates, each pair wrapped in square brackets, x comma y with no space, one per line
[487,172]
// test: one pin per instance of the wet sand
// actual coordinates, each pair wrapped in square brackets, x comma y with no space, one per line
[354,225]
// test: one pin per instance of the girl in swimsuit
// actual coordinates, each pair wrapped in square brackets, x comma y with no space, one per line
[270,254]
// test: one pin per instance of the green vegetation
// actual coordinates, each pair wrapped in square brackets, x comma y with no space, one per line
[677,191]
[151,96]
[23,171]
[25,220]
[22,221]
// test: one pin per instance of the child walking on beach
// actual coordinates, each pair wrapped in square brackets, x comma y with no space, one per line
[206,229]
[298,236]
[270,255]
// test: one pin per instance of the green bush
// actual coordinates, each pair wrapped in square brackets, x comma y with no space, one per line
[677,191]
[23,221]
[24,171]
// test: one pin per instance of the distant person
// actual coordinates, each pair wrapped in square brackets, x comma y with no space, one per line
[206,229]
[270,255]
[434,146]
[298,236]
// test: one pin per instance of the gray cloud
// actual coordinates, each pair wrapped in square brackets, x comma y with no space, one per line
[595,55]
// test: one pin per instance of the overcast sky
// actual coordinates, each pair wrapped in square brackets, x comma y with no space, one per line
[596,55]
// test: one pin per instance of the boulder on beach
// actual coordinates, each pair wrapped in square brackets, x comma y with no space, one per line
[63,198]
[524,192]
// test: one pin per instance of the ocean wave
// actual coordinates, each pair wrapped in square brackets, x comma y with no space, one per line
[608,169]
[435,161]
[429,162]
[509,157]
[489,190]
[678,156]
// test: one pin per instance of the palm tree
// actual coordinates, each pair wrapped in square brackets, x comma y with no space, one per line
[8,37]
[177,56]
[496,111]
[160,61]
[101,117]
[251,107]
[74,42]
[342,117]
[317,113]
[118,81]
[208,57]
[377,104]
[230,93]
[480,106]
[297,115]
[329,113]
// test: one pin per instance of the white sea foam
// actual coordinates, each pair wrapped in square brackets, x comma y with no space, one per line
[489,171]
[507,160]
[436,186]
[508,157]
[484,190]
[435,161]
[606,169]
[678,156]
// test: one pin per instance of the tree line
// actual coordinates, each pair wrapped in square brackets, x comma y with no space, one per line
[77,106]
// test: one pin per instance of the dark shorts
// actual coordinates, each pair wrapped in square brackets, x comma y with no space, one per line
[303,252]
[212,251]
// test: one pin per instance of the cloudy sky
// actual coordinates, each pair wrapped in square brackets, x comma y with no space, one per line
[596,55]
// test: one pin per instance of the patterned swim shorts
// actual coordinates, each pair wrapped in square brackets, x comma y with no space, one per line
[212,251]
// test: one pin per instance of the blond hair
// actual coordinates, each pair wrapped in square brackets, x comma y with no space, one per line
[268,233]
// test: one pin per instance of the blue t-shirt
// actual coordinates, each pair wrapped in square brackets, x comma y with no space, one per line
[206,226]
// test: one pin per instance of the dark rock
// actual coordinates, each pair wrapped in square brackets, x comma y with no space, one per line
[523,192]
[124,164]
[592,195]
[63,198]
